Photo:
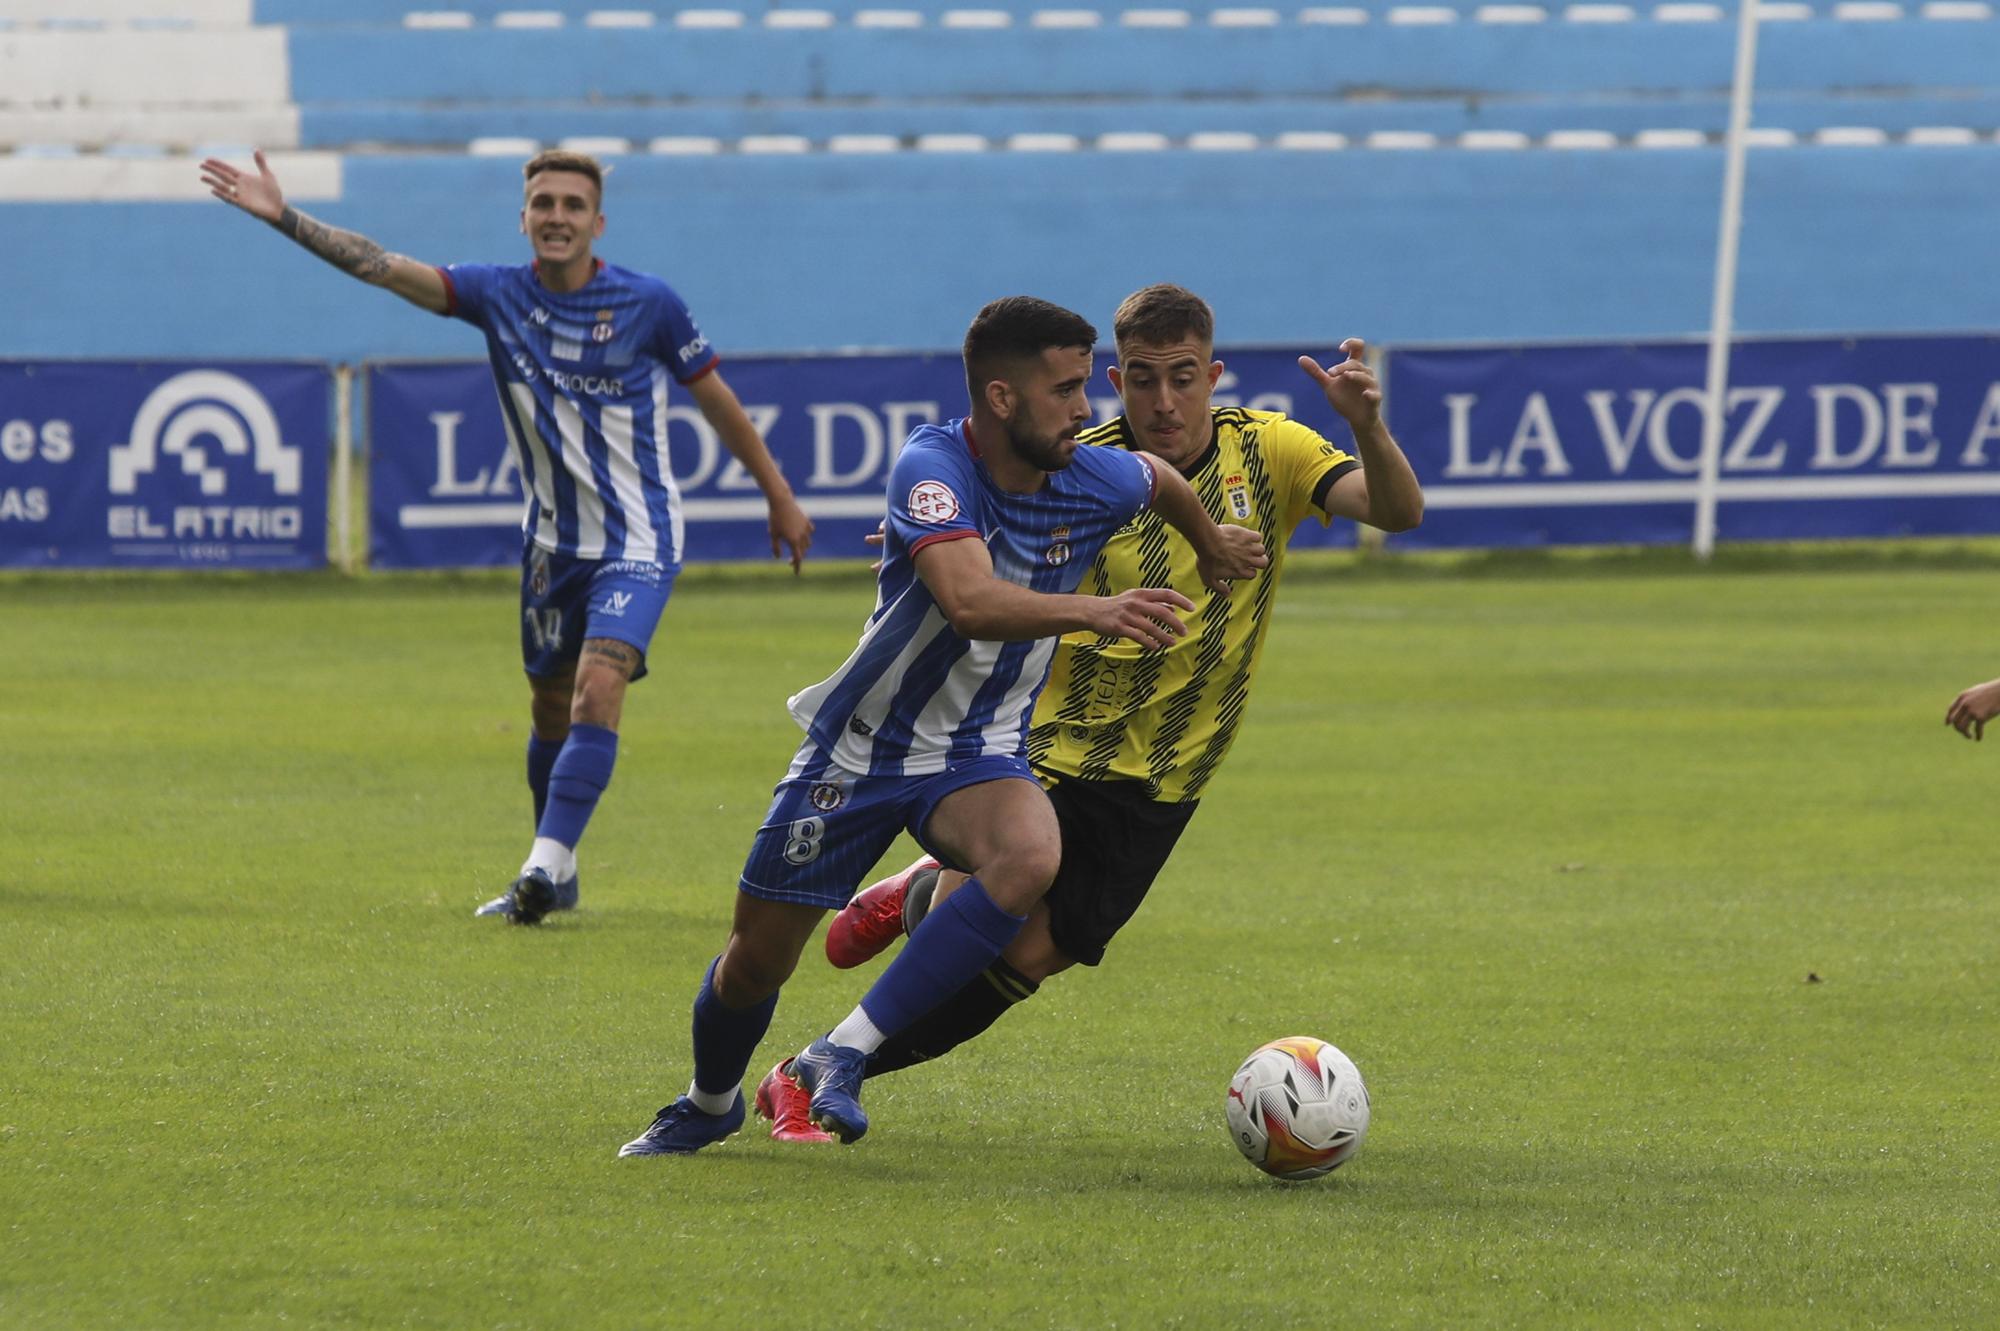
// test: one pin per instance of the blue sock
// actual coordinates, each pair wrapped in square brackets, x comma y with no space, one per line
[725,1037]
[955,942]
[580,773]
[541,761]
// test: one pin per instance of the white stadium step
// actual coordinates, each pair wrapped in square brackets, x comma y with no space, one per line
[192,13]
[130,67]
[167,127]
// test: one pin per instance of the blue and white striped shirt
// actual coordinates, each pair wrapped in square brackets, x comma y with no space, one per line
[583,388]
[916,697]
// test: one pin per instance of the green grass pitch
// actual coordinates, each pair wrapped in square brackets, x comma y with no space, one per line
[1550,848]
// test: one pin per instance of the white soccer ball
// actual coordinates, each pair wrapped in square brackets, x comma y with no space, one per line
[1297,1108]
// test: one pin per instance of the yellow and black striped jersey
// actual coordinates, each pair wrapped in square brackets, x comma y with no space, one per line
[1113,710]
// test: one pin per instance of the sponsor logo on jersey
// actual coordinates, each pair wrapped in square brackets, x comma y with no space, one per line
[860,727]
[694,348]
[933,502]
[590,385]
[616,604]
[826,796]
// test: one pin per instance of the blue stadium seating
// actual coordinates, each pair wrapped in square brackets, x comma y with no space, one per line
[583,65]
[828,247]
[825,250]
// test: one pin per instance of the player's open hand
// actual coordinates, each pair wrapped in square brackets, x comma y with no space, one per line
[1146,615]
[256,195]
[1237,552]
[1350,386]
[1972,709]
[790,529]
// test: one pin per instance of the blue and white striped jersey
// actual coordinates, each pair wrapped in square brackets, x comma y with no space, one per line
[916,697]
[583,389]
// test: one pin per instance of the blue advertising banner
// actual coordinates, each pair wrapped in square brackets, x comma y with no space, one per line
[109,464]
[445,491]
[1824,438]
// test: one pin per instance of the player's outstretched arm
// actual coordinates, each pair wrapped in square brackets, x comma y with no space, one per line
[1384,493]
[959,574]
[1222,552]
[352,253]
[790,527]
[1972,709]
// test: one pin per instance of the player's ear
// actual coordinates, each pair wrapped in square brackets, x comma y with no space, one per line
[524,221]
[1000,398]
[1214,374]
[1117,377]
[597,227]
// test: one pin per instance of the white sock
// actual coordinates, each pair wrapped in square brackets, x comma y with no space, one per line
[857,1032]
[710,1102]
[553,858]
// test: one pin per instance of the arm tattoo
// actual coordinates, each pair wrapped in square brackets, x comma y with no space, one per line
[346,250]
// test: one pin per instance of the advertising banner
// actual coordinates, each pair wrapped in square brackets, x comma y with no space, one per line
[445,490]
[113,464]
[1823,438]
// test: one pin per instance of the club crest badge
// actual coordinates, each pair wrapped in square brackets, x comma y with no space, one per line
[1057,554]
[826,797]
[1239,495]
[932,502]
[538,580]
[601,333]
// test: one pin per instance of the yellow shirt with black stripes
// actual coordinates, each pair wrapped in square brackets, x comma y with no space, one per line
[1114,711]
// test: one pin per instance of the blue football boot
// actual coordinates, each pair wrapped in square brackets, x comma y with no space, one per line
[682,1129]
[557,896]
[832,1072]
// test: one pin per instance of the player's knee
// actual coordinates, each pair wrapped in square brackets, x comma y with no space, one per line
[747,974]
[1019,876]
[598,700]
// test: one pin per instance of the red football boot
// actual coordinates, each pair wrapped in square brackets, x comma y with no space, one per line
[789,1107]
[866,926]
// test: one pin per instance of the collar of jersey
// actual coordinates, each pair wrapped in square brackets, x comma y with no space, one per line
[1131,444]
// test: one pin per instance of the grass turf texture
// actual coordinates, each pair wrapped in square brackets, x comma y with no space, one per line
[1550,849]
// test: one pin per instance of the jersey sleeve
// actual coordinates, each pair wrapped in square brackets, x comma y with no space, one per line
[468,289]
[678,340]
[1129,480]
[1305,462]
[930,500]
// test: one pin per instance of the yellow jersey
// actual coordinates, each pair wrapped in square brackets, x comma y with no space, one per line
[1113,710]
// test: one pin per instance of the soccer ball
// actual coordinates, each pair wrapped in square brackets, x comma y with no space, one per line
[1297,1108]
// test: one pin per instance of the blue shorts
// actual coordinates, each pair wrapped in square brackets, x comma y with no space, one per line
[828,826]
[565,601]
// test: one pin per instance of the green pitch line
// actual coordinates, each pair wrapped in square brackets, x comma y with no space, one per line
[1554,853]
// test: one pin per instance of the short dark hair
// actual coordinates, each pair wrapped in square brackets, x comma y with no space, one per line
[1015,329]
[562,159]
[1162,314]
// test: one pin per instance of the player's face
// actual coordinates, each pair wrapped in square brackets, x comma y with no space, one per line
[1165,391]
[560,217]
[1050,406]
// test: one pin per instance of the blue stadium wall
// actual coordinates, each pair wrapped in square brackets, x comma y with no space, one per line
[827,251]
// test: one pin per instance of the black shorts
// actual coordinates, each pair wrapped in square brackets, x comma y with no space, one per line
[1115,841]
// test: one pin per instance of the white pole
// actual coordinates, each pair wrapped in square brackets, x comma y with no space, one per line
[1723,309]
[343,468]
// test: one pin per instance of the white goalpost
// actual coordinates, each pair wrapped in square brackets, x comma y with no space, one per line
[1723,308]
